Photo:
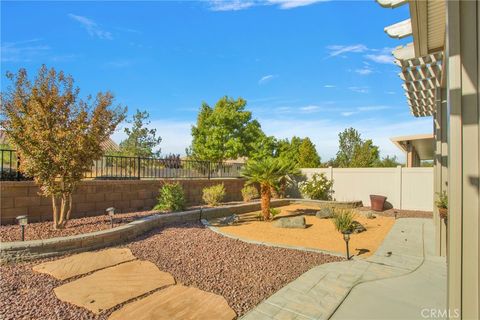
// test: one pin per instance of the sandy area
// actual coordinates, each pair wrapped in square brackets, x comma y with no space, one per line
[319,234]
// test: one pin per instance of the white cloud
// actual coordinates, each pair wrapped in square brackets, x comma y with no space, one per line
[236,5]
[348,113]
[329,86]
[373,108]
[380,58]
[23,51]
[233,5]
[290,4]
[266,79]
[390,92]
[336,50]
[364,71]
[359,89]
[92,27]
[310,109]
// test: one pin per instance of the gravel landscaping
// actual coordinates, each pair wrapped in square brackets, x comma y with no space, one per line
[243,273]
[44,230]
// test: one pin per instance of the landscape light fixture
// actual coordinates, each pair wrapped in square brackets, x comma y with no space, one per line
[22,221]
[346,238]
[111,214]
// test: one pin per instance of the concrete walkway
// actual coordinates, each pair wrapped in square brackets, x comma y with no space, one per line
[400,280]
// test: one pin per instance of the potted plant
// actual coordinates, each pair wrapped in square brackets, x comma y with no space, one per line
[442,204]
[377,202]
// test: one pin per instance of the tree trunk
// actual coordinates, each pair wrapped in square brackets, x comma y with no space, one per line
[65,210]
[265,192]
[55,212]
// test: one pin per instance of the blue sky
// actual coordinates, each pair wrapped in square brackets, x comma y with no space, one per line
[306,68]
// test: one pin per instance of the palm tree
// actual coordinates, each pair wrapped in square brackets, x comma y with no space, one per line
[266,172]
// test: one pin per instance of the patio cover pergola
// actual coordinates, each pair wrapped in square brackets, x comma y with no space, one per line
[417,148]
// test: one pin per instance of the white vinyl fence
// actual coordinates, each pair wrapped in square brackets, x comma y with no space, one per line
[405,188]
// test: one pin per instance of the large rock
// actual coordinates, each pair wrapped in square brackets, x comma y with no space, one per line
[291,222]
[177,302]
[324,213]
[109,287]
[358,227]
[84,263]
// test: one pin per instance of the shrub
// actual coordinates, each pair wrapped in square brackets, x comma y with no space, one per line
[274,212]
[214,195]
[171,197]
[343,220]
[249,193]
[317,188]
[442,200]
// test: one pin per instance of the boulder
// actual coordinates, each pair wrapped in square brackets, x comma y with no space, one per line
[358,227]
[233,219]
[324,213]
[291,222]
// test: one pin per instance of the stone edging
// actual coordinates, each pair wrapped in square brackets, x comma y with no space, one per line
[36,249]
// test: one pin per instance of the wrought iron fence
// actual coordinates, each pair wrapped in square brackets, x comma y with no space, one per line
[124,168]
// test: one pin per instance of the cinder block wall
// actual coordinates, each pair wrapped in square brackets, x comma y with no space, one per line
[93,197]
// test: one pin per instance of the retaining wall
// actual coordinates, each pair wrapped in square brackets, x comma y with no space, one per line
[93,197]
[36,249]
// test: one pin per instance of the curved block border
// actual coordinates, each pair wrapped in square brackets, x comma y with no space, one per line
[36,249]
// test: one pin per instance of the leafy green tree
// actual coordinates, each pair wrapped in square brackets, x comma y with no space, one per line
[266,172]
[354,152]
[289,149]
[365,155]
[226,131]
[57,135]
[307,155]
[389,162]
[140,141]
[348,141]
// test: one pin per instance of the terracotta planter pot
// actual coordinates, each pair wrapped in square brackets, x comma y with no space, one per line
[377,202]
[443,213]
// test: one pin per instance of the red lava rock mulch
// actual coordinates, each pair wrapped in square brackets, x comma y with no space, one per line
[401,213]
[44,230]
[243,273]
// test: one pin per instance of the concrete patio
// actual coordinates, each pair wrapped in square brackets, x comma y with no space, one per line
[402,280]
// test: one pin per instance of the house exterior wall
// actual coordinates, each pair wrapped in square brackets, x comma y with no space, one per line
[462,80]
[405,188]
[93,197]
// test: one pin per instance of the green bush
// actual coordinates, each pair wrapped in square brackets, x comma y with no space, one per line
[274,212]
[442,200]
[214,195]
[317,188]
[171,197]
[249,193]
[343,220]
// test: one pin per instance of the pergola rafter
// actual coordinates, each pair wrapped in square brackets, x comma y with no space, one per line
[421,77]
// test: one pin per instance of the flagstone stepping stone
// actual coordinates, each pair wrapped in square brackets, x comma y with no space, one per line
[177,302]
[109,287]
[83,263]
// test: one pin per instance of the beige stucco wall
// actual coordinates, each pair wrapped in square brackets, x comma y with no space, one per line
[405,188]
